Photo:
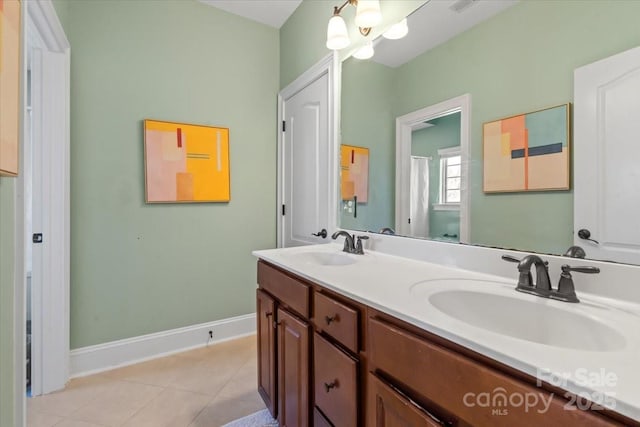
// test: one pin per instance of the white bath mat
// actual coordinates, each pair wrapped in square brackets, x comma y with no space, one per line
[259,419]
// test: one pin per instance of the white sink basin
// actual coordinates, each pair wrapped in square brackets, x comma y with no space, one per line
[325,258]
[494,307]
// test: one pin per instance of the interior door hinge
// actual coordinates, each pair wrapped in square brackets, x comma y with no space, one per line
[283,210]
[284,126]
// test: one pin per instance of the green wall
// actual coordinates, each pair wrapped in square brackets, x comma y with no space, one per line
[521,60]
[7,344]
[445,133]
[370,122]
[138,268]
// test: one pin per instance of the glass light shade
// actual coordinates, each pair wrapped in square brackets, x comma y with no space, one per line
[397,31]
[368,13]
[365,52]
[337,35]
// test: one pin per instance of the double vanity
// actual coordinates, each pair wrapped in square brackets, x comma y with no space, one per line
[378,339]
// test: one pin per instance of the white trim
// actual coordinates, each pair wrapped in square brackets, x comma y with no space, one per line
[449,152]
[42,29]
[404,127]
[330,66]
[115,354]
[446,207]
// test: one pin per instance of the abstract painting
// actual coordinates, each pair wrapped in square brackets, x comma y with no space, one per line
[9,86]
[528,152]
[186,163]
[354,165]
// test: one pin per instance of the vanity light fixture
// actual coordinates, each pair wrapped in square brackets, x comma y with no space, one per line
[397,31]
[367,15]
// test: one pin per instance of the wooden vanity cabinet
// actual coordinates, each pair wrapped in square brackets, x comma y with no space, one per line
[451,387]
[309,365]
[282,304]
[327,361]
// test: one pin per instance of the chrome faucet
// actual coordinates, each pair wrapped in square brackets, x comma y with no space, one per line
[348,240]
[525,282]
[349,245]
[565,292]
[575,252]
[387,230]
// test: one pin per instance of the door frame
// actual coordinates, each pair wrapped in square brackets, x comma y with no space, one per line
[404,125]
[42,29]
[330,66]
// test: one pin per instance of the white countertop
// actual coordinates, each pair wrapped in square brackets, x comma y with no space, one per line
[388,283]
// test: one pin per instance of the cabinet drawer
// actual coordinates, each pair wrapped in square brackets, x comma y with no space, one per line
[336,319]
[388,408]
[291,292]
[458,384]
[335,383]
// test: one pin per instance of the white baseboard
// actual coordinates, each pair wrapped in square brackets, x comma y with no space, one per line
[103,357]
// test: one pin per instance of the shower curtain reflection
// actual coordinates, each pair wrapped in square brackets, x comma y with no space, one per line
[420,196]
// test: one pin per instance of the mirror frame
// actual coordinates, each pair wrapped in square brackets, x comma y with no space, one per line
[404,125]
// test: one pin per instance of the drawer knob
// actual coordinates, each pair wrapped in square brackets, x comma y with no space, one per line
[329,386]
[330,319]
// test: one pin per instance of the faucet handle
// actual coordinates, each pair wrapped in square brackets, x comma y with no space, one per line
[359,249]
[510,258]
[566,291]
[588,270]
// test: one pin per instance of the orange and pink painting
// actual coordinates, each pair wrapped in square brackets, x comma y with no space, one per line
[528,152]
[354,165]
[186,163]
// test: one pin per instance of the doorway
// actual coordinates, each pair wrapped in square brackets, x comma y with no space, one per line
[42,209]
[432,170]
[307,158]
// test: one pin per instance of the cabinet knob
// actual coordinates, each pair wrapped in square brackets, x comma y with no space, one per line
[276,324]
[329,386]
[268,314]
[330,319]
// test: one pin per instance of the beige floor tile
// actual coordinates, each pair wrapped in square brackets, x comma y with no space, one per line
[36,419]
[243,385]
[171,408]
[158,372]
[119,402]
[205,378]
[74,423]
[223,410]
[78,393]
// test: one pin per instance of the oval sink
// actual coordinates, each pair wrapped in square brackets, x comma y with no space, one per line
[325,258]
[539,321]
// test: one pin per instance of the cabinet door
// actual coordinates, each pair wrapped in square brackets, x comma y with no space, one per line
[266,308]
[387,408]
[293,371]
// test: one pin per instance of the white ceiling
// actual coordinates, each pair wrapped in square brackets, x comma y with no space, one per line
[270,12]
[433,24]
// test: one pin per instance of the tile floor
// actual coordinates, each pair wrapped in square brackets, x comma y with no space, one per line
[206,387]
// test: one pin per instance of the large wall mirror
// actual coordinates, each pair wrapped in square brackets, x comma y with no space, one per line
[509,58]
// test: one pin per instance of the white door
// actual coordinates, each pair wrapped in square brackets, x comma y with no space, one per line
[606,157]
[306,164]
